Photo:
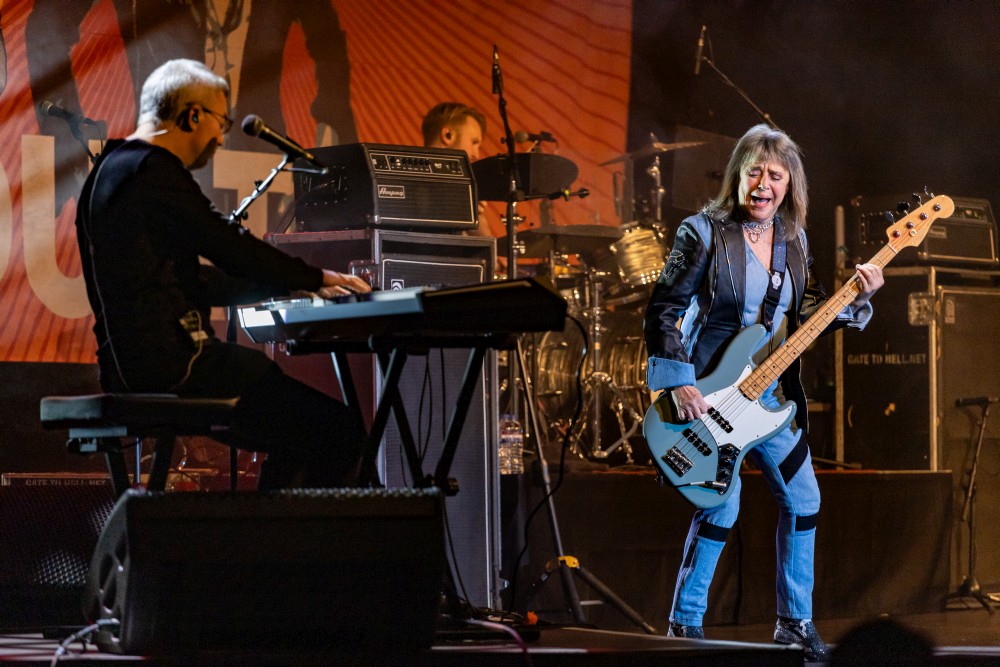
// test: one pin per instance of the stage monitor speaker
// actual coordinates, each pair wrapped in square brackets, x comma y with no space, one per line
[339,571]
[49,525]
[396,259]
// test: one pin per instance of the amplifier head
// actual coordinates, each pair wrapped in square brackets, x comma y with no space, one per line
[967,238]
[378,185]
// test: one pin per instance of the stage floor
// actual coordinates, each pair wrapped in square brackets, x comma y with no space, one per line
[970,637]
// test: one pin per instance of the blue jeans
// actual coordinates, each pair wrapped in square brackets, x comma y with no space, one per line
[797,494]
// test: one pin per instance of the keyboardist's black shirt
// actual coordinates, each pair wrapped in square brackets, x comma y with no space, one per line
[142,224]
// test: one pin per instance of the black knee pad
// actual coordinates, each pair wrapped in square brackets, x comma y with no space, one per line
[706,531]
[710,532]
[804,523]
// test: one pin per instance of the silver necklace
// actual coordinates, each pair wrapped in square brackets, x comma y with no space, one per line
[755,229]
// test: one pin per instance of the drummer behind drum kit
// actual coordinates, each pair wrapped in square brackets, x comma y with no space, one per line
[606,275]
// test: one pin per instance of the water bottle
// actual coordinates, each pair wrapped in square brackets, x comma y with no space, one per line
[511,444]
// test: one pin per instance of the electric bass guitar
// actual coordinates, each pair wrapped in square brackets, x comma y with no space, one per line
[700,457]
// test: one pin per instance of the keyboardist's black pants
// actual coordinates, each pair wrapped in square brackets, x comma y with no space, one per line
[310,439]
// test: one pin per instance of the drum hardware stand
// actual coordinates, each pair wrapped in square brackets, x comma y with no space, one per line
[596,380]
[658,190]
[970,588]
[620,405]
[569,566]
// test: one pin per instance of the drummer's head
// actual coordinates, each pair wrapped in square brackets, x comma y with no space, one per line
[454,125]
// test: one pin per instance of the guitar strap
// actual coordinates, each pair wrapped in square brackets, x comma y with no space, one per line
[778,263]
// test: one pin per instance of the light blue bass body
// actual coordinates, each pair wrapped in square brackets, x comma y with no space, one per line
[700,457]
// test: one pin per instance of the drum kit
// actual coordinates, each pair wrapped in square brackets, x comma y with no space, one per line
[606,276]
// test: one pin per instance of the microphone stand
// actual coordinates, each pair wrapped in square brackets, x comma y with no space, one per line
[513,194]
[236,218]
[766,117]
[240,214]
[102,134]
[567,566]
[970,588]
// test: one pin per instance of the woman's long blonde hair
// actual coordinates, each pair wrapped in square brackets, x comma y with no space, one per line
[763,143]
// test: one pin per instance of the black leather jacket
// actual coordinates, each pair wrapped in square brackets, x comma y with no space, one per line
[142,224]
[704,282]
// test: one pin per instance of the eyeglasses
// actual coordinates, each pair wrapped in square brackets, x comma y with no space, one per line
[225,122]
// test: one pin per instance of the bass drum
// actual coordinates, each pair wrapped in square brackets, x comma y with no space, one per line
[622,358]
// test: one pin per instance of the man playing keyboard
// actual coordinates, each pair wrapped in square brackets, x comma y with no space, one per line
[142,225]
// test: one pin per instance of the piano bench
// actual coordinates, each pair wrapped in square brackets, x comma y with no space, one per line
[98,422]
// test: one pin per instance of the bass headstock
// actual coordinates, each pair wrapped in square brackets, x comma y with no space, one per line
[911,229]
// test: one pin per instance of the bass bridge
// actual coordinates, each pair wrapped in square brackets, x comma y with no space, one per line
[728,454]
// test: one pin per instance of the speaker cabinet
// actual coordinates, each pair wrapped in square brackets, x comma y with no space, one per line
[49,526]
[342,571]
[932,340]
[396,259]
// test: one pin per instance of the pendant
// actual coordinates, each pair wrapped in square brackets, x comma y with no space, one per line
[754,236]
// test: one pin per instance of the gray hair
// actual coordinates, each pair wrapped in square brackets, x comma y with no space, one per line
[175,84]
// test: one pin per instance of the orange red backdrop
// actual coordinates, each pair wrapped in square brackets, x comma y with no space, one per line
[566,70]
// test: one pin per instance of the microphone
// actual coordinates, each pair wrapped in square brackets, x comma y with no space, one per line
[255,127]
[522,137]
[49,109]
[497,76]
[697,55]
[981,401]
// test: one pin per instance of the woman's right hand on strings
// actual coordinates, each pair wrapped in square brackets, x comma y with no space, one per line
[690,403]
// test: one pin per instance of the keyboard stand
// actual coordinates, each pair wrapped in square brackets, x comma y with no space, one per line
[392,353]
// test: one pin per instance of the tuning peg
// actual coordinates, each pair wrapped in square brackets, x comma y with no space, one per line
[903,208]
[928,193]
[917,199]
[889,217]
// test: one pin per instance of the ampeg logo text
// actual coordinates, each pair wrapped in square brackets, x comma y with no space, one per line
[391,192]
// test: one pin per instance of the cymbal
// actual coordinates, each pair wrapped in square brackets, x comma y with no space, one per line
[535,245]
[652,149]
[590,231]
[588,241]
[539,173]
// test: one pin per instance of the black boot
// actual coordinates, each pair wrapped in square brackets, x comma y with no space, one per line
[688,631]
[803,632]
